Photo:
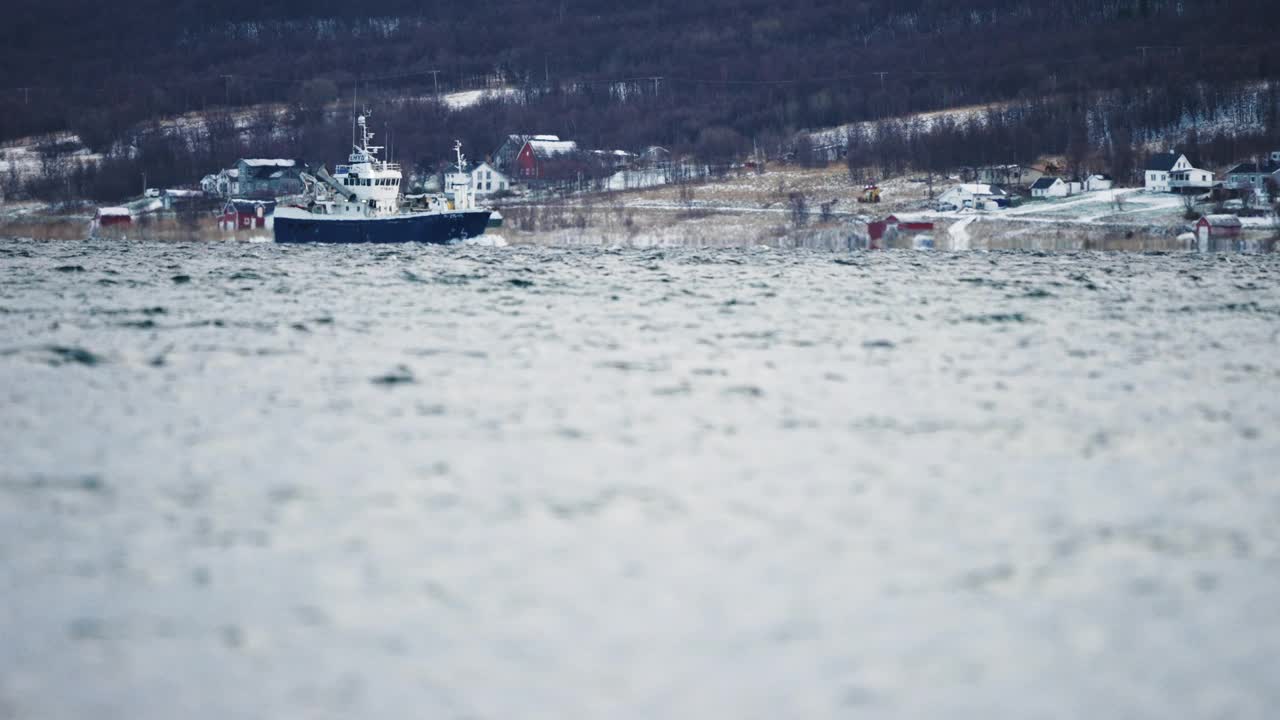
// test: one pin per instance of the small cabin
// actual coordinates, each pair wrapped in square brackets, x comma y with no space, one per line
[246,214]
[1050,187]
[108,216]
[1099,181]
[909,226]
[1218,232]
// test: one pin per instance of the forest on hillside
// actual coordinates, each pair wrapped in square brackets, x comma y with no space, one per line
[715,78]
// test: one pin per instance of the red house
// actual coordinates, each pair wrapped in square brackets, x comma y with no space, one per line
[246,214]
[108,216]
[909,226]
[547,157]
[1218,232]
[876,232]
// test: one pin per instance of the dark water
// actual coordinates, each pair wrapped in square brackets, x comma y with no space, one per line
[251,481]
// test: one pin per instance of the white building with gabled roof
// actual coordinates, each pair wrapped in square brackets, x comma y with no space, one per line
[1158,176]
[973,195]
[487,180]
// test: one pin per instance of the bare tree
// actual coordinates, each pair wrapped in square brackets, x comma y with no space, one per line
[686,196]
[1189,207]
[799,209]
[827,209]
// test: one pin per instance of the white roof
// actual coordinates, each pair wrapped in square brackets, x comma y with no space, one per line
[1223,220]
[113,212]
[547,138]
[265,162]
[978,189]
[547,148]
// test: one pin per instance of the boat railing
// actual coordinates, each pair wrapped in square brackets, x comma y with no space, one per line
[374,166]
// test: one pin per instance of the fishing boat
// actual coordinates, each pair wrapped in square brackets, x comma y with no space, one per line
[361,202]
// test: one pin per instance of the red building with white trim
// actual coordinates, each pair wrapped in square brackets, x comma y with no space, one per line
[547,157]
[246,214]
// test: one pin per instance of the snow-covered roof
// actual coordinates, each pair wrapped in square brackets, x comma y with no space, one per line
[249,205]
[179,193]
[266,162]
[113,212]
[979,189]
[546,138]
[551,148]
[232,172]
[1223,220]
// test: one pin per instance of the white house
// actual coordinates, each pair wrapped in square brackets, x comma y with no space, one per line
[973,195]
[1160,167]
[1050,187]
[225,184]
[1190,179]
[487,180]
[1098,182]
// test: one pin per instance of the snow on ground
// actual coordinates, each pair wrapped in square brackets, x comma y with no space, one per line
[24,157]
[1135,207]
[1260,222]
[468,98]
[922,121]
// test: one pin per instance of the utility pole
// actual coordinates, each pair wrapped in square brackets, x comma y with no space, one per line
[435,76]
[881,74]
[226,81]
[26,95]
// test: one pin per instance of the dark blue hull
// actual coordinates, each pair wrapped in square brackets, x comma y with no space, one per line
[439,228]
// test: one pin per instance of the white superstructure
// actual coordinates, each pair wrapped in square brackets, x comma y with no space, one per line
[367,186]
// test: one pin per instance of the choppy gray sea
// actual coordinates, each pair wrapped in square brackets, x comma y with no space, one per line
[251,481]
